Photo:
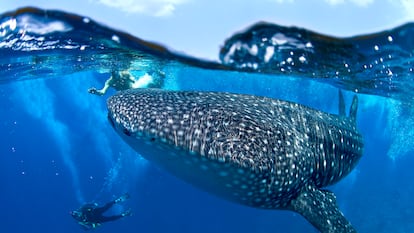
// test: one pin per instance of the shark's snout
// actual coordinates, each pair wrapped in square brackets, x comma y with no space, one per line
[118,114]
[113,110]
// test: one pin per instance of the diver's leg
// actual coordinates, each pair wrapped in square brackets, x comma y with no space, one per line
[110,204]
[104,208]
[115,217]
[110,218]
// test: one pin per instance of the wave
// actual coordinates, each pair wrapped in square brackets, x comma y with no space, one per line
[35,41]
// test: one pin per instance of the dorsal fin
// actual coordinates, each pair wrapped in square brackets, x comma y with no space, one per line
[354,108]
[341,104]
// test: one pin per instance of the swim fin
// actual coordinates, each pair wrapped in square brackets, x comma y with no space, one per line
[122,198]
[127,213]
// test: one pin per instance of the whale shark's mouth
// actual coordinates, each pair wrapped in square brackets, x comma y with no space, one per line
[111,120]
[119,127]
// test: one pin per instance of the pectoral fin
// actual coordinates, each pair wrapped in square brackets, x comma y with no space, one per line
[320,209]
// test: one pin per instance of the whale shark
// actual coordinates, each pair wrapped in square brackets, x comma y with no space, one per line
[257,151]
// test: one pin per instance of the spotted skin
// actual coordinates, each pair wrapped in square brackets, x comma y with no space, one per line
[256,151]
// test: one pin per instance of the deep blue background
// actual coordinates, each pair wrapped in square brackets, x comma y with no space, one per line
[46,125]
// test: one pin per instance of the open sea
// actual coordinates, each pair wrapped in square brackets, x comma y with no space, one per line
[58,151]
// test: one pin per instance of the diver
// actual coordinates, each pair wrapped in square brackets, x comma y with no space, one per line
[90,216]
[124,80]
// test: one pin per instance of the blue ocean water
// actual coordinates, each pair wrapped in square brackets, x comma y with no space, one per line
[58,151]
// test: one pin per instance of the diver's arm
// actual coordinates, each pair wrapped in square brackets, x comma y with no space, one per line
[106,86]
[103,90]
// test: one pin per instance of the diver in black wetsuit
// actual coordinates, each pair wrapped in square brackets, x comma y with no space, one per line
[90,216]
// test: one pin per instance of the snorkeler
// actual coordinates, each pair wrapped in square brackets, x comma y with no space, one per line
[124,80]
[90,216]
[119,80]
